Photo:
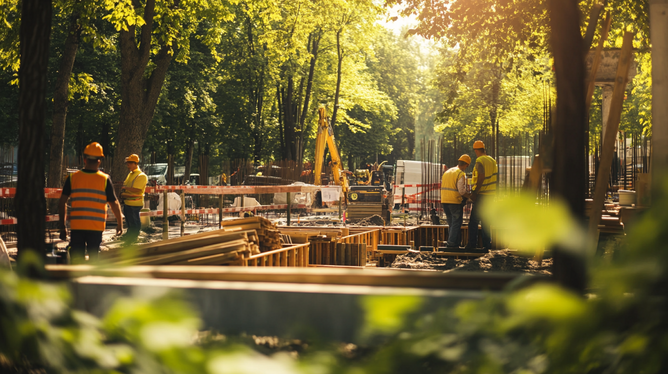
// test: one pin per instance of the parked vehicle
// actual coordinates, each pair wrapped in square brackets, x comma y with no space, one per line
[157,173]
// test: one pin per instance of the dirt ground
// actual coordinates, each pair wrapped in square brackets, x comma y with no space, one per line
[501,260]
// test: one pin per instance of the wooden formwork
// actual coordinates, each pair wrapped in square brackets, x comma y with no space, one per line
[327,252]
[437,236]
[292,256]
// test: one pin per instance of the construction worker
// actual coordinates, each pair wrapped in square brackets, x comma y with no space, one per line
[132,194]
[484,187]
[90,190]
[453,198]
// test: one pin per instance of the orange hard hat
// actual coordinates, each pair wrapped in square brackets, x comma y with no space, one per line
[478,144]
[94,149]
[132,158]
[466,159]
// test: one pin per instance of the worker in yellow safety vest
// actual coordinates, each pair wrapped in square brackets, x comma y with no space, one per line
[132,195]
[453,198]
[484,188]
[89,191]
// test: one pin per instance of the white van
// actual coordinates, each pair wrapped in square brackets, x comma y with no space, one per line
[407,178]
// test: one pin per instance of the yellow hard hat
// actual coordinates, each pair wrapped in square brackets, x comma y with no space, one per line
[478,144]
[466,159]
[132,158]
[94,149]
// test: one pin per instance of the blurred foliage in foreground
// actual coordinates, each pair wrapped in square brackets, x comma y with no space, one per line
[621,326]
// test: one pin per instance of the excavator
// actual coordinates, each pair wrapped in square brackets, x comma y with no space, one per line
[326,138]
[363,200]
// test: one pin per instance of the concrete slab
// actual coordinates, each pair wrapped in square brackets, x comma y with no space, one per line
[289,310]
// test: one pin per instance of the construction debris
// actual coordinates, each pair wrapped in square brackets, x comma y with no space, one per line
[501,260]
[374,220]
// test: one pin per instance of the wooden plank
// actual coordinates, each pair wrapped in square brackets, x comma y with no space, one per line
[334,276]
[625,60]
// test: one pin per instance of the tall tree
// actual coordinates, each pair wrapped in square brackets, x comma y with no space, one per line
[35,36]
[149,38]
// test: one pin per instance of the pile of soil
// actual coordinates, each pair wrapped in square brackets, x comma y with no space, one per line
[501,260]
[374,220]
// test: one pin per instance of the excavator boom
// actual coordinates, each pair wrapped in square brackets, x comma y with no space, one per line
[326,138]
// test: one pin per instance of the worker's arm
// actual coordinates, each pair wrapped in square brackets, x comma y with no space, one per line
[62,210]
[461,187]
[480,181]
[116,208]
[130,189]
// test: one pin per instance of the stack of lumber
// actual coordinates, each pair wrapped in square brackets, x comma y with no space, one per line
[305,234]
[268,236]
[217,247]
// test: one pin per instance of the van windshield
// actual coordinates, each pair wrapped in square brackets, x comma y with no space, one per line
[156,170]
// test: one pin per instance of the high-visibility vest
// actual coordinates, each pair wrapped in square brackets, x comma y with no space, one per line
[89,201]
[135,198]
[491,170]
[449,192]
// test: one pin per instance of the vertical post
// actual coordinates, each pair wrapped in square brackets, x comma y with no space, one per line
[340,204]
[221,199]
[165,222]
[183,212]
[289,206]
[658,27]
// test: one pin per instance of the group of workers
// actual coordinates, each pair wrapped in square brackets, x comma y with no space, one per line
[89,191]
[454,194]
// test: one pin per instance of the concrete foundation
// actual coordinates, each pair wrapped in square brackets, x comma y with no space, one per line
[288,310]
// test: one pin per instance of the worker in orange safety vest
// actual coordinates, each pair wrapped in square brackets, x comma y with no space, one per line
[89,191]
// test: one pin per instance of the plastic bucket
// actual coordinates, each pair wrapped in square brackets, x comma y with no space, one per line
[145,220]
[627,197]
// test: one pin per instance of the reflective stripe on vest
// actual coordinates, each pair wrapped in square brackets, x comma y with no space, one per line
[89,201]
[449,192]
[133,198]
[491,171]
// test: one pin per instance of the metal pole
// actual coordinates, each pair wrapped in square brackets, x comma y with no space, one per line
[165,222]
[289,206]
[220,211]
[183,213]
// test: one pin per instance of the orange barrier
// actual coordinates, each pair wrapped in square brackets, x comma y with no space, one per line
[293,256]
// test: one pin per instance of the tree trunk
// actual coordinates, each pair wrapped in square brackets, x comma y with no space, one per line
[281,121]
[60,103]
[315,45]
[139,94]
[339,53]
[571,120]
[34,33]
[289,120]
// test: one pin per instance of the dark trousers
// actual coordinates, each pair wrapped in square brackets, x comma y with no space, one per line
[131,214]
[82,241]
[473,224]
[455,216]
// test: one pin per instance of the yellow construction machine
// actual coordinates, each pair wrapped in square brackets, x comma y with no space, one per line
[326,138]
[363,200]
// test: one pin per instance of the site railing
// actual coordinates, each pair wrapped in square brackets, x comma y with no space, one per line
[370,238]
[292,256]
[8,194]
